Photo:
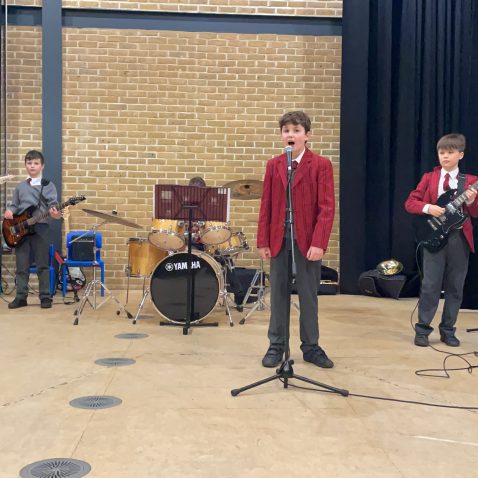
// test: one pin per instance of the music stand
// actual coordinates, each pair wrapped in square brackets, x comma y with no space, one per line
[191,203]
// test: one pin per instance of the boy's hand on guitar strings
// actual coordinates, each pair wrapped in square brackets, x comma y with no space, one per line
[436,211]
[471,195]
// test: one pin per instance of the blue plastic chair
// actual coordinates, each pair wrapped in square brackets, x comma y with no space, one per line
[51,259]
[69,262]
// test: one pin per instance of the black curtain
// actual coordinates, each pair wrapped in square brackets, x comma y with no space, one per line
[409,76]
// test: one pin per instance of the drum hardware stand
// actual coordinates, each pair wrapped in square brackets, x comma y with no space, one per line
[128,275]
[91,286]
[146,292]
[285,371]
[261,292]
[223,293]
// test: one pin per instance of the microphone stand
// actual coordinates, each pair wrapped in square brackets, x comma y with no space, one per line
[285,371]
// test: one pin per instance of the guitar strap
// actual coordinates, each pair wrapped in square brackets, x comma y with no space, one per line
[461,183]
[41,199]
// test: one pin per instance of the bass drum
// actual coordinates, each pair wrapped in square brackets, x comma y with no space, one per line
[169,285]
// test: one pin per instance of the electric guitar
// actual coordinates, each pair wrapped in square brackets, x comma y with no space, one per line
[432,231]
[16,229]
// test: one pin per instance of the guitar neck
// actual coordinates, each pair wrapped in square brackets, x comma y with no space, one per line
[43,215]
[459,200]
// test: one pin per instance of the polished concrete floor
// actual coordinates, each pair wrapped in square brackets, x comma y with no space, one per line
[178,418]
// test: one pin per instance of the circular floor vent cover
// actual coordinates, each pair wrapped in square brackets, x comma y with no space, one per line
[56,468]
[95,402]
[131,336]
[115,362]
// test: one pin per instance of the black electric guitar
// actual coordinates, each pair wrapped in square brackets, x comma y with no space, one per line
[432,231]
[16,229]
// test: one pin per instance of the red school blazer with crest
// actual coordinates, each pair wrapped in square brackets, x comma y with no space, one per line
[427,193]
[313,199]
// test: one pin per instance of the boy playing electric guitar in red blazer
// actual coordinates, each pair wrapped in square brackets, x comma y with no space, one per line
[446,268]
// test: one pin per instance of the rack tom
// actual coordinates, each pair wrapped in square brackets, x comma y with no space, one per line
[167,234]
[214,232]
[234,245]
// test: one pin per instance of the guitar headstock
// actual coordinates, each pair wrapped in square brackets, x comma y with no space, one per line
[8,177]
[75,200]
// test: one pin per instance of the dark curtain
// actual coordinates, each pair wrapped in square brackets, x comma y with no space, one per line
[409,76]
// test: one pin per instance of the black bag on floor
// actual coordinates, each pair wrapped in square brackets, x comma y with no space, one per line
[375,284]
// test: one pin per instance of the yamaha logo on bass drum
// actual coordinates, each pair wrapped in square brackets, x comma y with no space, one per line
[179,266]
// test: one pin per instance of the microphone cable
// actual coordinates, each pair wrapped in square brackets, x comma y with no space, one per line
[387,399]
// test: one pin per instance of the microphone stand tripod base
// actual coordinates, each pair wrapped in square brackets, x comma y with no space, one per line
[286,372]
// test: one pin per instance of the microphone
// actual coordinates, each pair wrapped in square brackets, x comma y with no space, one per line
[45,182]
[288,151]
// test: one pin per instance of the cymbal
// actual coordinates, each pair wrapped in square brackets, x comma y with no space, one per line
[112,218]
[245,189]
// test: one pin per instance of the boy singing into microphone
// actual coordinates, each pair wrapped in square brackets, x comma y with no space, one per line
[42,194]
[313,204]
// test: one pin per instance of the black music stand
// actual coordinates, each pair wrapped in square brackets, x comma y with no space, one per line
[191,203]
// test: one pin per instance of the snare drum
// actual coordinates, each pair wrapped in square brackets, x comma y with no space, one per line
[169,285]
[236,244]
[213,232]
[167,234]
[142,257]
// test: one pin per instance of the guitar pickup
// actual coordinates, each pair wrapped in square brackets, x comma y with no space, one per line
[432,225]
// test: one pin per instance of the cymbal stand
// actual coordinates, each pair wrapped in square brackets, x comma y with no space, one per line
[261,291]
[223,293]
[91,286]
[146,292]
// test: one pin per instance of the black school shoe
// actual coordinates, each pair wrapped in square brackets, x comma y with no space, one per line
[318,357]
[421,340]
[451,341]
[273,357]
[45,303]
[17,303]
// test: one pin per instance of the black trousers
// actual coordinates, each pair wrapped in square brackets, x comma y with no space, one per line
[443,270]
[307,278]
[36,247]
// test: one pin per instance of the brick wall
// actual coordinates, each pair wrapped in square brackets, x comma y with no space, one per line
[24,102]
[327,8]
[142,107]
[148,107]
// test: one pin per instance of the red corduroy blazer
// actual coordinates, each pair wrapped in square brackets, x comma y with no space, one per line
[313,199]
[427,193]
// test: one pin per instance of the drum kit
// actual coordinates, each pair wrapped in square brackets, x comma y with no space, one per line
[161,260]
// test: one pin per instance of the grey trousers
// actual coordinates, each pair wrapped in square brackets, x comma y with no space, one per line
[307,280]
[36,247]
[443,270]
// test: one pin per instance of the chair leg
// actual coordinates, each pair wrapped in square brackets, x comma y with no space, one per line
[52,281]
[102,267]
[63,280]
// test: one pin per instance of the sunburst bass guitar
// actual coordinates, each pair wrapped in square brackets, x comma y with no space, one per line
[16,229]
[432,232]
